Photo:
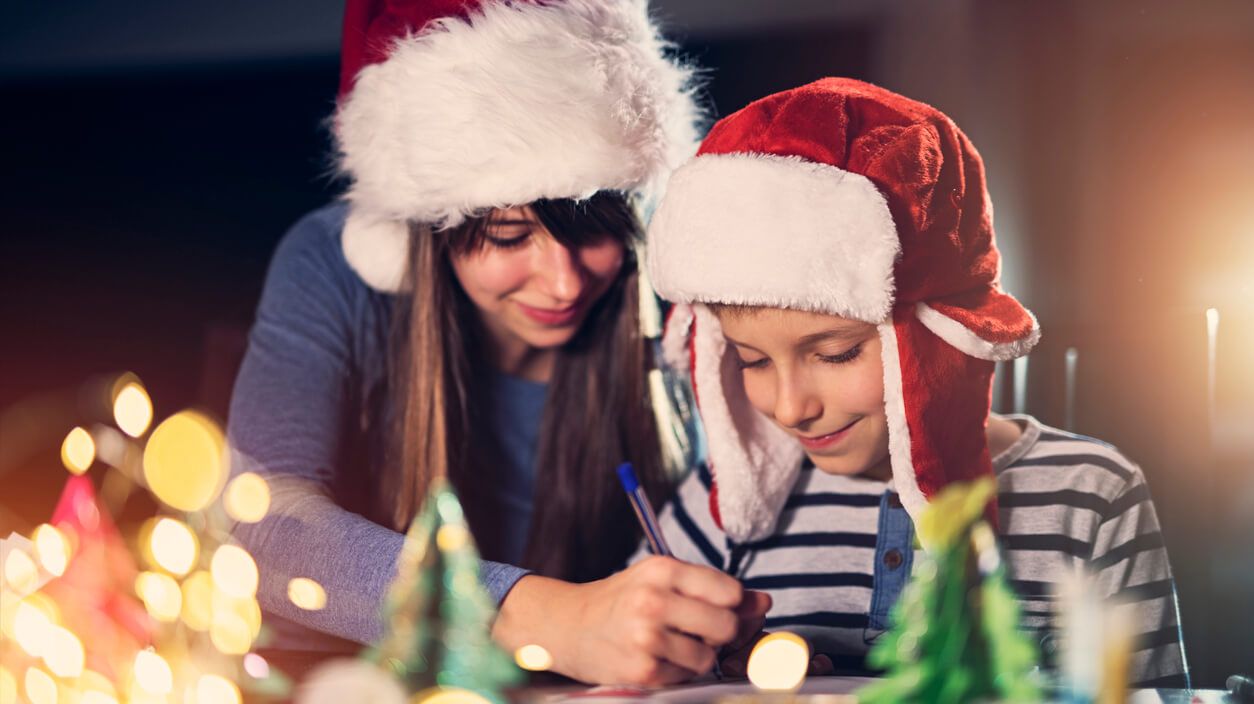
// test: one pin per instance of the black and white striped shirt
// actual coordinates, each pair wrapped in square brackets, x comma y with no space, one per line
[842,550]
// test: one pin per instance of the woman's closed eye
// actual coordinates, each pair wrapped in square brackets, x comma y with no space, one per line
[511,241]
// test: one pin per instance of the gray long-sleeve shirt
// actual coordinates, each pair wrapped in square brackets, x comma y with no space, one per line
[308,412]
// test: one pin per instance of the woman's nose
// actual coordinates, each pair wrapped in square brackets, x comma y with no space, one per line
[562,272]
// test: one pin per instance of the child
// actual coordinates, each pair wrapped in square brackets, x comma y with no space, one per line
[831,253]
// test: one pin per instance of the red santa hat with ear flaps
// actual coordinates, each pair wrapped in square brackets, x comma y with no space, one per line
[448,108]
[839,197]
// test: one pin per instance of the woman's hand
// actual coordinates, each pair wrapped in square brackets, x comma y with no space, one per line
[659,622]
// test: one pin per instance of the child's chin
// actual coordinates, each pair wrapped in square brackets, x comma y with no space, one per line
[848,467]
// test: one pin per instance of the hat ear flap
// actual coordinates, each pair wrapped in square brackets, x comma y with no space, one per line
[754,462]
[936,429]
[987,324]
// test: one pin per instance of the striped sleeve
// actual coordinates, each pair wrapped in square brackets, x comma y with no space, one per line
[1130,562]
[687,525]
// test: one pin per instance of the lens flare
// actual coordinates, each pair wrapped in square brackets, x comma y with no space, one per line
[185,461]
[534,658]
[78,451]
[778,662]
[52,549]
[152,673]
[307,594]
[247,498]
[174,546]
[132,409]
[234,572]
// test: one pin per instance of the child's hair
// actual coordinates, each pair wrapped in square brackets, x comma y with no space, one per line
[597,414]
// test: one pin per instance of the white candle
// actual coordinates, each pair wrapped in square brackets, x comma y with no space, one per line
[1072,357]
[1021,385]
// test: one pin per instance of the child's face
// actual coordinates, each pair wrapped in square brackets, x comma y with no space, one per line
[820,378]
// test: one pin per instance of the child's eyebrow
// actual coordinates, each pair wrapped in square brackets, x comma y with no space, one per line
[835,333]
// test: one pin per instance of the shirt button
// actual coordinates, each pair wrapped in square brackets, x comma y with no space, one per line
[893,559]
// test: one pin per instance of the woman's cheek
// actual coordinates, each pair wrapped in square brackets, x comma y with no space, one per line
[602,260]
[494,272]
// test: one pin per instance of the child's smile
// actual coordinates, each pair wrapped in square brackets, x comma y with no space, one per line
[820,378]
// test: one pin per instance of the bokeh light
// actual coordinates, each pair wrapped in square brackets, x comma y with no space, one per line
[534,658]
[92,696]
[63,652]
[40,687]
[256,666]
[215,689]
[307,594]
[448,695]
[174,546]
[161,594]
[32,629]
[8,686]
[152,673]
[230,609]
[185,461]
[52,549]
[234,572]
[198,601]
[78,451]
[230,633]
[20,571]
[247,498]
[778,662]
[451,537]
[132,409]
[96,688]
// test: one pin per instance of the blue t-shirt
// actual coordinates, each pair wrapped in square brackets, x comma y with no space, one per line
[309,412]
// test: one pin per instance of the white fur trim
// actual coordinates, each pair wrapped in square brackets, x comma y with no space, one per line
[755,462]
[377,250]
[521,101]
[905,481]
[961,338]
[675,336]
[757,229]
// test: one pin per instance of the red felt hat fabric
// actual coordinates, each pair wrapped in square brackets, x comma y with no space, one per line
[840,197]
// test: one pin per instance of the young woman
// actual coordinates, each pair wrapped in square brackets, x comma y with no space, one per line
[842,327]
[473,310]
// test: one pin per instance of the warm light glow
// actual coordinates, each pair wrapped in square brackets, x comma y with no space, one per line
[256,666]
[40,687]
[8,686]
[247,498]
[20,571]
[32,629]
[78,451]
[132,409]
[185,461]
[307,594]
[63,653]
[778,662]
[174,546]
[1212,321]
[230,633]
[152,673]
[214,689]
[96,688]
[92,696]
[161,594]
[447,695]
[234,572]
[198,601]
[52,549]
[451,538]
[231,610]
[534,658]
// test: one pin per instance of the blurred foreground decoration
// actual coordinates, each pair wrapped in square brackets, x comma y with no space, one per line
[437,647]
[955,631]
[173,620]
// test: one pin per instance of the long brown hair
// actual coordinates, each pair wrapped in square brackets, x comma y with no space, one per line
[598,411]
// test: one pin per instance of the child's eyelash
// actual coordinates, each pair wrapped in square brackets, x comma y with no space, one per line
[847,356]
[755,364]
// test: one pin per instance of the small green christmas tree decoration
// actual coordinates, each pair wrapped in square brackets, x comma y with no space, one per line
[438,616]
[954,634]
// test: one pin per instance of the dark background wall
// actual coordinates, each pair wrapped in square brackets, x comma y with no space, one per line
[153,159]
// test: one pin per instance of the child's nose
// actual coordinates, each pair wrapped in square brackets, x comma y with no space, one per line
[795,406]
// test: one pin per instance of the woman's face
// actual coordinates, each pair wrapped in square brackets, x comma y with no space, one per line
[532,291]
[820,378]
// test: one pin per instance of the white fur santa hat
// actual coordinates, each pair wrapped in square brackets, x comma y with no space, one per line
[448,108]
[839,197]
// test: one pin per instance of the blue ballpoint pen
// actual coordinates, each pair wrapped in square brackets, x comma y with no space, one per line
[648,521]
